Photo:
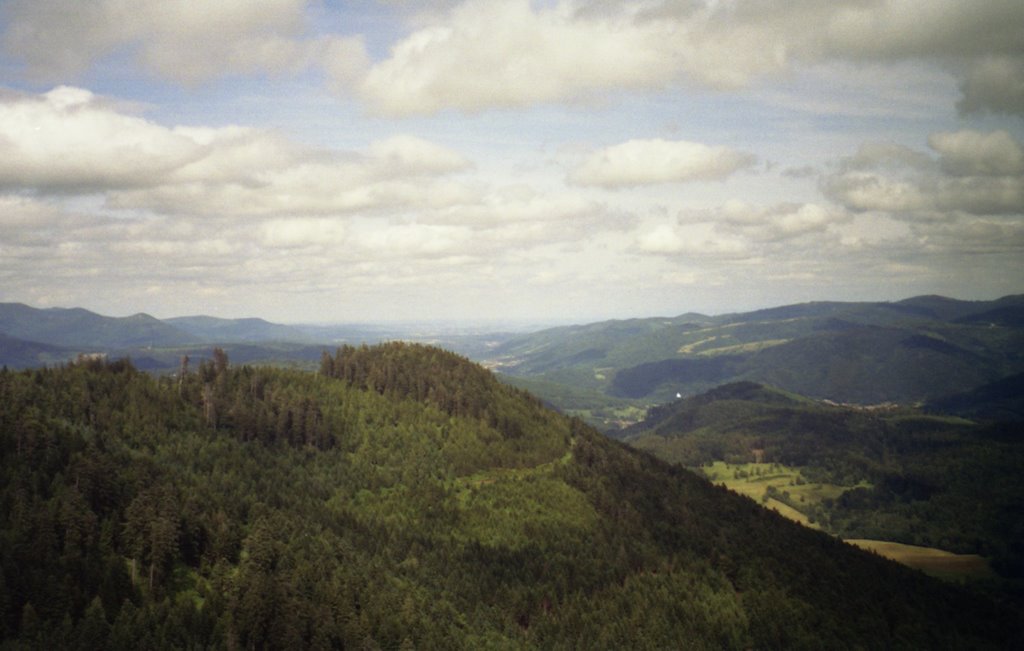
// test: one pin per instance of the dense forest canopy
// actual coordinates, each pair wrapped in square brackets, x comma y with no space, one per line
[901,474]
[402,498]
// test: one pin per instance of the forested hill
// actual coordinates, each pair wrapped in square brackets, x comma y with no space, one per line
[906,351]
[401,498]
[887,473]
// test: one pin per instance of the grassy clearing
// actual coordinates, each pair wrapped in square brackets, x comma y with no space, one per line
[753,480]
[936,562]
[506,507]
[799,499]
[779,487]
[749,347]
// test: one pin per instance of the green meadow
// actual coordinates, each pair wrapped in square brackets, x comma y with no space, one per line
[784,489]
[779,487]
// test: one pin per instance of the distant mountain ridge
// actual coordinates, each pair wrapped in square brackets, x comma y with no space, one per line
[33,337]
[248,330]
[907,351]
[913,350]
[77,327]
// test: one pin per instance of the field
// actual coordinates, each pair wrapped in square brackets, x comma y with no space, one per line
[784,490]
[938,563]
[778,487]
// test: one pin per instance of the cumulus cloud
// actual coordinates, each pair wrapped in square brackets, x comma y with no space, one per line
[185,41]
[302,232]
[106,196]
[973,153]
[69,141]
[993,83]
[693,240]
[483,54]
[644,162]
[780,222]
[739,230]
[487,54]
[512,52]
[410,155]
[973,173]
[414,240]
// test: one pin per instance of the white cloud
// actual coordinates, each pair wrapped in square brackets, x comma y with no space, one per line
[777,223]
[691,240]
[518,204]
[181,40]
[68,141]
[974,173]
[483,54]
[488,54]
[408,155]
[410,241]
[301,232]
[970,153]
[512,53]
[644,162]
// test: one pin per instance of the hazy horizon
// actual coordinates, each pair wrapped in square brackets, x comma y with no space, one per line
[474,325]
[507,161]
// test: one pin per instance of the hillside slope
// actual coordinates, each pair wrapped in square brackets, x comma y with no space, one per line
[83,330]
[21,353]
[402,498]
[887,473]
[906,351]
[249,330]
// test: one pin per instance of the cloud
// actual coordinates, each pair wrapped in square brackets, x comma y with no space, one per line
[408,155]
[302,232]
[644,162]
[973,153]
[68,141]
[995,84]
[491,54]
[188,42]
[484,54]
[412,241]
[973,173]
[780,222]
[696,240]
[740,245]
[507,53]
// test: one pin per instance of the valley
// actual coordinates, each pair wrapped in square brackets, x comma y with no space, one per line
[785,491]
[483,498]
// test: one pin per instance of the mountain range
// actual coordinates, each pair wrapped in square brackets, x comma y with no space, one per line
[895,473]
[32,337]
[399,498]
[909,351]
[402,496]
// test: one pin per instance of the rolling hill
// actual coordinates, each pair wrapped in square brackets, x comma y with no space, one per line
[886,473]
[907,351]
[21,353]
[78,328]
[401,498]
[248,330]
[31,337]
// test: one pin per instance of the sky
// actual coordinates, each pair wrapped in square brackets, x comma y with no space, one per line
[555,161]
